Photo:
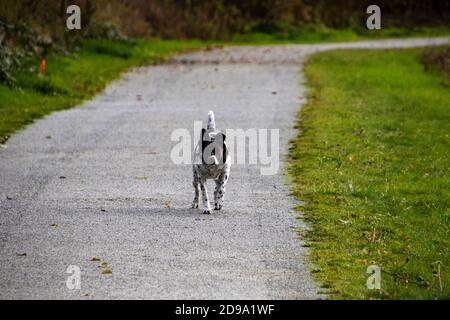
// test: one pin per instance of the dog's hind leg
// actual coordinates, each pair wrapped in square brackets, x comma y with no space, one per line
[196,184]
[205,196]
[219,194]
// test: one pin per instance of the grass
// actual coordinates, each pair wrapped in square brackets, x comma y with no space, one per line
[318,34]
[73,78]
[371,162]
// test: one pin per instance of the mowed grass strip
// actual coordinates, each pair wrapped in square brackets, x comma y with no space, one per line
[372,164]
[71,79]
[284,34]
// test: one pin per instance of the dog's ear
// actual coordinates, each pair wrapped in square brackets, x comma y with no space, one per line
[204,143]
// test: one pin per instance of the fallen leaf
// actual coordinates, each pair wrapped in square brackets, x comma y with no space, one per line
[95,259]
[107,271]
[103,265]
[24,254]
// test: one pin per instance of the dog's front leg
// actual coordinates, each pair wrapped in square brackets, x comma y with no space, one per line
[205,196]
[218,194]
[196,184]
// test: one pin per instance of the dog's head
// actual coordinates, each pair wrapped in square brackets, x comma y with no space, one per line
[214,148]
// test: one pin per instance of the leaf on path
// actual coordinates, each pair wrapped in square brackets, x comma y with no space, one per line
[95,259]
[103,265]
[23,254]
[107,271]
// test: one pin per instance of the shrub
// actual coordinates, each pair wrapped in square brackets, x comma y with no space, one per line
[7,62]
[437,58]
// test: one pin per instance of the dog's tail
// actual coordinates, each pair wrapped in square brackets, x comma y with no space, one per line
[211,122]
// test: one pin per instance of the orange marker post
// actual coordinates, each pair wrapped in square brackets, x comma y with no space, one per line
[42,66]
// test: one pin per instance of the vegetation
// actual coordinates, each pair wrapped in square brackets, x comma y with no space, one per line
[218,19]
[371,163]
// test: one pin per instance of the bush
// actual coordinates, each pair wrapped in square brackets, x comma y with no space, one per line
[17,43]
[8,60]
[105,30]
[437,58]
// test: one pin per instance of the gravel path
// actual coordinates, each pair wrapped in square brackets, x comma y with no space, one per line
[98,181]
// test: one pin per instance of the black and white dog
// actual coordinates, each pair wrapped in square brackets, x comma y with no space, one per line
[211,161]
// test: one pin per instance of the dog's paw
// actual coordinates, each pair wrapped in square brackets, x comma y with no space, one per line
[207,211]
[218,207]
[194,206]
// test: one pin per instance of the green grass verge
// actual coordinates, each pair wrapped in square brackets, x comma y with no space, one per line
[71,79]
[371,162]
[318,34]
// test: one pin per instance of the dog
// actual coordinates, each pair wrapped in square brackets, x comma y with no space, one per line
[211,161]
